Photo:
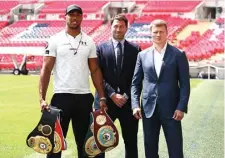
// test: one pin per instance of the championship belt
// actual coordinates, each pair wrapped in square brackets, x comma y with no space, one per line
[47,137]
[102,134]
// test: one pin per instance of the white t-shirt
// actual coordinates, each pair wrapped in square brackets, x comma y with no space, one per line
[71,71]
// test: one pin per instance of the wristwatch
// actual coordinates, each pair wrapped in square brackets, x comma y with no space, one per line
[102,99]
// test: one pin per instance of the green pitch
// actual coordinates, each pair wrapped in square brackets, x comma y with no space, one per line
[20,113]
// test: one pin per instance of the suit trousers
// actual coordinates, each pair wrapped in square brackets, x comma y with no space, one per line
[129,127]
[75,107]
[172,131]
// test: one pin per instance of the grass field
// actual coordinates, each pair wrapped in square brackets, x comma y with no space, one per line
[20,112]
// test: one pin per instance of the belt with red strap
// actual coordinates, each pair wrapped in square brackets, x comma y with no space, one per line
[102,134]
[47,137]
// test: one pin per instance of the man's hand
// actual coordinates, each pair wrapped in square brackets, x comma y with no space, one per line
[44,105]
[103,105]
[178,115]
[137,113]
[118,99]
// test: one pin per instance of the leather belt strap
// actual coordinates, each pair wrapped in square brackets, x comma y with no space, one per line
[102,134]
[47,136]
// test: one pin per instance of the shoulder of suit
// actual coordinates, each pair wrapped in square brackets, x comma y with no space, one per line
[103,44]
[132,44]
[146,50]
[175,49]
[180,50]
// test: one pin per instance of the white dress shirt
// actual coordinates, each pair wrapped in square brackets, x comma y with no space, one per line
[158,58]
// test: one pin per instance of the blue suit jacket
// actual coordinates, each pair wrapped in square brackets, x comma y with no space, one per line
[107,63]
[170,91]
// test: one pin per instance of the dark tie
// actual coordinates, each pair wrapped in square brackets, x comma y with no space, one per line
[119,58]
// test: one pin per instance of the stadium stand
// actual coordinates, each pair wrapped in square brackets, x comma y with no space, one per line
[139,30]
[35,33]
[170,6]
[3,24]
[199,47]
[26,25]
[59,6]
[6,6]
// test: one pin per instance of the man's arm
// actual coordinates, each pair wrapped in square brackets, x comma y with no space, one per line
[97,79]
[136,88]
[138,49]
[46,70]
[118,99]
[109,89]
[184,82]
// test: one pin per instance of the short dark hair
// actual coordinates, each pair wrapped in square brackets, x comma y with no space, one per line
[120,17]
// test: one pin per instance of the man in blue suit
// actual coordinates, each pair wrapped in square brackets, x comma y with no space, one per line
[117,59]
[162,74]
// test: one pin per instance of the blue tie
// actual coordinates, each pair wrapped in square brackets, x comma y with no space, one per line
[119,59]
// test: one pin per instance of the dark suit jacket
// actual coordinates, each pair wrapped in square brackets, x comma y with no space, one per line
[170,91]
[107,63]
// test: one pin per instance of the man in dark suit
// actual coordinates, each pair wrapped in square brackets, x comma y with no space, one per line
[162,74]
[117,59]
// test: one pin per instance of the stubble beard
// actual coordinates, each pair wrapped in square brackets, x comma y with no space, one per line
[75,27]
[119,38]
